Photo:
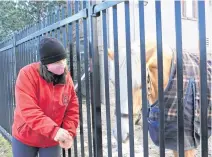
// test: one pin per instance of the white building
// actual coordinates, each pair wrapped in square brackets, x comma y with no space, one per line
[190,34]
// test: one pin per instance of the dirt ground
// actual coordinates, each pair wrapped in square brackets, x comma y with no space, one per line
[138,137]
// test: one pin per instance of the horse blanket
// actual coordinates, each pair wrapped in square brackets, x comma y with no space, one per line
[191,102]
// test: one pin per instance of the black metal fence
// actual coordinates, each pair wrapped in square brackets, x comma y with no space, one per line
[78,27]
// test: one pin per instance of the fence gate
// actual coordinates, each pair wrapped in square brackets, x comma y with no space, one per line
[78,26]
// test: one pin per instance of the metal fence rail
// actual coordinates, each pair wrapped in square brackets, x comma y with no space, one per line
[78,21]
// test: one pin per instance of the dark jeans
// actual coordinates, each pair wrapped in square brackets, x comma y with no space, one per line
[21,150]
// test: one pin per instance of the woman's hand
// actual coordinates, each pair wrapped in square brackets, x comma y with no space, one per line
[67,143]
[61,135]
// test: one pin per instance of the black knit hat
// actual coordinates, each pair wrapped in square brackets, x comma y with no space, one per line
[51,50]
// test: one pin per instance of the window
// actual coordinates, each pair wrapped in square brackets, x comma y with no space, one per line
[189,9]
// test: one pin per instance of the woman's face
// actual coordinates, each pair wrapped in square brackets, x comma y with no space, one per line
[57,67]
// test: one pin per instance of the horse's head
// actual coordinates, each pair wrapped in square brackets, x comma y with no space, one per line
[151,65]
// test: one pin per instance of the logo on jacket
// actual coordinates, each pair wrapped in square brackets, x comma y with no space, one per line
[65,99]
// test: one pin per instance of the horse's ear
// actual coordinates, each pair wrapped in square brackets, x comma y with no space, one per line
[110,54]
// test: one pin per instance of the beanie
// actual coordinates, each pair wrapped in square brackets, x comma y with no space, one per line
[51,50]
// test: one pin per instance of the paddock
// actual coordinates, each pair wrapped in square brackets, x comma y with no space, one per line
[87,29]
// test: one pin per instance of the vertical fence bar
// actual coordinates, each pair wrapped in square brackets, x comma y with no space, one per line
[64,28]
[1,86]
[71,55]
[8,54]
[91,78]
[69,153]
[203,79]
[75,140]
[70,51]
[5,88]
[33,46]
[14,70]
[8,88]
[22,56]
[79,81]
[30,50]
[117,84]
[129,77]
[25,47]
[180,109]
[23,50]
[71,60]
[50,22]
[53,21]
[86,64]
[36,44]
[26,53]
[43,25]
[3,91]
[11,87]
[160,76]
[143,78]
[64,152]
[39,39]
[17,56]
[58,29]
[70,39]
[96,85]
[107,94]
[33,49]
[7,91]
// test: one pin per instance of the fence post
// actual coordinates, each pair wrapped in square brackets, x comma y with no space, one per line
[95,89]
[13,78]
[14,55]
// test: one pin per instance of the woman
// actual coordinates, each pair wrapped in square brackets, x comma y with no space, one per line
[46,115]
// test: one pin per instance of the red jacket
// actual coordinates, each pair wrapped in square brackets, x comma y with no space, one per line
[41,108]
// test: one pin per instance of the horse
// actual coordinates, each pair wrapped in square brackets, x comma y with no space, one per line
[191,100]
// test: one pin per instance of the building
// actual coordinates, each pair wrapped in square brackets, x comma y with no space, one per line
[190,33]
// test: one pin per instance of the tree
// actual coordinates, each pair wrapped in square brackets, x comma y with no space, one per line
[16,15]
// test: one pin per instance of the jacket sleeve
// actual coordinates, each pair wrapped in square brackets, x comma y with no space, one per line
[71,117]
[27,105]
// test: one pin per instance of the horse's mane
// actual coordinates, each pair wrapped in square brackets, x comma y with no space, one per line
[135,59]
[135,63]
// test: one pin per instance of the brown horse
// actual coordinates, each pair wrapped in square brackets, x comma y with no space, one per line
[152,89]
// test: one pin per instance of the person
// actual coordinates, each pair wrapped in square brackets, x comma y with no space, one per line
[46,114]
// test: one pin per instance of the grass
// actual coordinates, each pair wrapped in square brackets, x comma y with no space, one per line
[5,147]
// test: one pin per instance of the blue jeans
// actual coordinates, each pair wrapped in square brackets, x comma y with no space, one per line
[21,150]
